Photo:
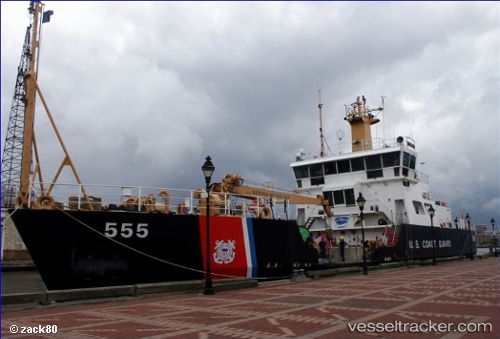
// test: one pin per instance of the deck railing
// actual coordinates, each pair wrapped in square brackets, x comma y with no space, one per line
[154,199]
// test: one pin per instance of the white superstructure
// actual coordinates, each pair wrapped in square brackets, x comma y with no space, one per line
[384,171]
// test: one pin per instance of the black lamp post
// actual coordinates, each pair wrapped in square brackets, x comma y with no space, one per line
[361,203]
[467,218]
[208,169]
[431,211]
[494,237]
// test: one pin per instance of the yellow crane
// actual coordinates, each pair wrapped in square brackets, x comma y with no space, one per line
[233,184]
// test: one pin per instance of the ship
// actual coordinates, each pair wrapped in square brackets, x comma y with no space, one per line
[104,235]
[382,202]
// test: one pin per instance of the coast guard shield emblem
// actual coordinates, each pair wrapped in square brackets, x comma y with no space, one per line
[224,251]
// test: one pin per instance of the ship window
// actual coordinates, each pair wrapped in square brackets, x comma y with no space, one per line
[344,166]
[358,164]
[374,167]
[301,172]
[330,167]
[373,174]
[390,159]
[413,160]
[317,181]
[419,209]
[338,197]
[373,162]
[316,170]
[406,159]
[329,196]
[299,183]
[409,161]
[343,197]
[349,197]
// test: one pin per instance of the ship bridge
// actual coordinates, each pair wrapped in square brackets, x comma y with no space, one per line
[392,162]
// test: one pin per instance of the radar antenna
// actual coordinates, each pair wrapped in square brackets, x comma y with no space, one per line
[361,117]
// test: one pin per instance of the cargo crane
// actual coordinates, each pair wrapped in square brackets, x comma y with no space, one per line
[21,114]
[233,184]
[21,167]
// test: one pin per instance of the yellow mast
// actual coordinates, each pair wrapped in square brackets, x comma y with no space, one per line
[29,141]
[360,117]
[29,118]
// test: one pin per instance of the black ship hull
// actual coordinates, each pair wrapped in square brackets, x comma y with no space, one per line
[417,242]
[74,249]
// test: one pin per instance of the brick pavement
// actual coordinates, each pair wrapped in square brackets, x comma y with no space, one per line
[451,293]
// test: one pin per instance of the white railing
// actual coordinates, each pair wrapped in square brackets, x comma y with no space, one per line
[346,147]
[155,199]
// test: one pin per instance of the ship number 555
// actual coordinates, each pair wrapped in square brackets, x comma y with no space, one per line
[126,230]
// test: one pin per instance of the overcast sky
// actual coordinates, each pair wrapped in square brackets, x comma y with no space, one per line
[142,92]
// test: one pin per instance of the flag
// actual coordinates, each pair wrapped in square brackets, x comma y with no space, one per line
[46,16]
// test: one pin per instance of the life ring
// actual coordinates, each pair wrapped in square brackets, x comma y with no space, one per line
[166,200]
[150,203]
[137,202]
[129,204]
[45,202]
[18,203]
[265,213]
[181,208]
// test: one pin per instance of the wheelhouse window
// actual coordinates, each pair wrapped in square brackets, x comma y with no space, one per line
[330,167]
[413,160]
[344,166]
[317,175]
[406,163]
[391,159]
[409,161]
[374,167]
[357,164]
[301,172]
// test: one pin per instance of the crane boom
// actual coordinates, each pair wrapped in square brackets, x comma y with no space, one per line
[233,183]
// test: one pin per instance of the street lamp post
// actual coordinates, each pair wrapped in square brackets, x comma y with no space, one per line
[467,218]
[431,211]
[494,237]
[361,203]
[208,169]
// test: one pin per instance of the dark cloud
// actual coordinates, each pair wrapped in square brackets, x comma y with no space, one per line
[142,92]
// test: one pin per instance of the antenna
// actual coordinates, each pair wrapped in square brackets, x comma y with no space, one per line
[383,123]
[340,135]
[322,145]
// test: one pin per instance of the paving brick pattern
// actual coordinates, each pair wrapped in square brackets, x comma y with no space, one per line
[458,292]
